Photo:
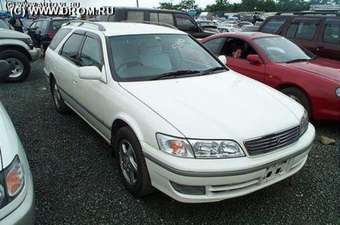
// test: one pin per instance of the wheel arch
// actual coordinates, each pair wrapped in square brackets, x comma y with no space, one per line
[16,48]
[124,120]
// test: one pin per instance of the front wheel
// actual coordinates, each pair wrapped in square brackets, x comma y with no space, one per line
[19,63]
[299,96]
[132,165]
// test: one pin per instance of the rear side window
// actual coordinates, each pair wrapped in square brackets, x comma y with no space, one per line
[302,30]
[184,23]
[58,38]
[332,33]
[135,16]
[215,45]
[91,53]
[71,46]
[273,25]
[166,18]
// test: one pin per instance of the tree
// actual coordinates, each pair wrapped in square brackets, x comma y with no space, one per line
[185,5]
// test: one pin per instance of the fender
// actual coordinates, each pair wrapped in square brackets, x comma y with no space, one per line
[132,124]
[14,42]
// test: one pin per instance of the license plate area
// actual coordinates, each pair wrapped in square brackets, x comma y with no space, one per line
[275,171]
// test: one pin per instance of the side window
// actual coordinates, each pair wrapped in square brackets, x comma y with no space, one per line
[273,25]
[332,33]
[44,26]
[215,45]
[91,54]
[154,17]
[56,24]
[184,23]
[58,38]
[135,16]
[166,18]
[237,49]
[292,30]
[71,47]
[306,30]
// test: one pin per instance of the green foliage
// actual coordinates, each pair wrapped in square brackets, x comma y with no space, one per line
[183,5]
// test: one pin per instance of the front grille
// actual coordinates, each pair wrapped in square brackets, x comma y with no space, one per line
[272,142]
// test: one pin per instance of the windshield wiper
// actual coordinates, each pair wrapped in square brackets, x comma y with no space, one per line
[174,74]
[208,71]
[298,60]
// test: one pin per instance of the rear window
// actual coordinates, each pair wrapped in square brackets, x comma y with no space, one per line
[58,38]
[273,25]
[332,33]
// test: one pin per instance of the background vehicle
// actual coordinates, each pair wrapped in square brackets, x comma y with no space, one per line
[130,81]
[42,31]
[279,63]
[178,19]
[16,185]
[317,33]
[18,50]
[208,25]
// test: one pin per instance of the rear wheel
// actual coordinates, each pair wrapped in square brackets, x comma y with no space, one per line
[132,165]
[58,101]
[299,96]
[19,63]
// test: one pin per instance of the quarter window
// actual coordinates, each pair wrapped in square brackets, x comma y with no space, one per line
[71,47]
[58,38]
[273,25]
[332,34]
[91,53]
[184,23]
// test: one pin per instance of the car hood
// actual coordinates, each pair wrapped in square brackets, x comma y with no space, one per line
[314,67]
[4,33]
[9,142]
[220,106]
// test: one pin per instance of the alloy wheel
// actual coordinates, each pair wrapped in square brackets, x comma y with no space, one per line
[128,162]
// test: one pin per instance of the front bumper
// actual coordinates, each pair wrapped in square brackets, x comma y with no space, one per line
[225,178]
[35,53]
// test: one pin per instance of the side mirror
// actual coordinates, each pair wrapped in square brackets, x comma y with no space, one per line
[223,59]
[254,59]
[90,73]
[5,70]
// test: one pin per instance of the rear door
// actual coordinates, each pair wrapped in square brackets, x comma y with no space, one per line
[329,42]
[304,32]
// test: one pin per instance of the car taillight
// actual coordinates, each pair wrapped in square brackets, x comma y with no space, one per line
[50,35]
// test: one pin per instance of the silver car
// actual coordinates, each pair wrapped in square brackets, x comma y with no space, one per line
[16,185]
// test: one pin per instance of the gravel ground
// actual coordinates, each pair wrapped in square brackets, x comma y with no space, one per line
[76,179]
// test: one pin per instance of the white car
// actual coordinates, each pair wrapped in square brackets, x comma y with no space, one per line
[16,185]
[177,118]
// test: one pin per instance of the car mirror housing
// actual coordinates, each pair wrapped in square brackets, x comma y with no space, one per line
[90,73]
[5,69]
[254,59]
[223,59]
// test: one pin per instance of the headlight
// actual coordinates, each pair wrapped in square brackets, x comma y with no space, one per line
[14,178]
[304,123]
[29,42]
[203,149]
[337,92]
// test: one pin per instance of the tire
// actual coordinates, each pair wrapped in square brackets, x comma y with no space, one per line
[20,63]
[58,101]
[141,184]
[298,96]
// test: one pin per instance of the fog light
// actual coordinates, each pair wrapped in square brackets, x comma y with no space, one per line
[188,190]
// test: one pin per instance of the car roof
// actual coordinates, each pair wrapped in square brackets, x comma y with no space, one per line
[149,9]
[246,35]
[128,28]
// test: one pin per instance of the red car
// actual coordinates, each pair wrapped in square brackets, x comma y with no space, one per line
[274,60]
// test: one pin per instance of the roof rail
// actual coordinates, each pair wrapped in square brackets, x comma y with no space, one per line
[312,13]
[152,23]
[84,22]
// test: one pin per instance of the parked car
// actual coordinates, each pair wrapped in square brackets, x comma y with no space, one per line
[16,186]
[177,118]
[178,19]
[208,25]
[228,26]
[319,34]
[43,30]
[312,81]
[18,50]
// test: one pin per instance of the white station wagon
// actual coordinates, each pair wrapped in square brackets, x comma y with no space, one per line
[177,118]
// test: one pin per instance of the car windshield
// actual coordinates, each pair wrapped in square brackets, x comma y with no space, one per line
[4,24]
[281,50]
[151,56]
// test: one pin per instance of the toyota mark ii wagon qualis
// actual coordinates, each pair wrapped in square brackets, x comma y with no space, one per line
[177,118]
